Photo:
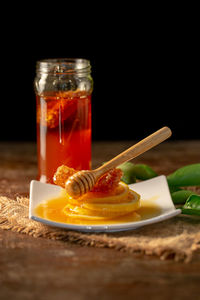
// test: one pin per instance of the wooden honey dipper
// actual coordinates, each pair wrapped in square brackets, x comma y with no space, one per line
[83,181]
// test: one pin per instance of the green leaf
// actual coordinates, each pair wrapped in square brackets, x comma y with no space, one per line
[173,189]
[143,172]
[185,176]
[136,171]
[180,196]
[192,205]
[128,173]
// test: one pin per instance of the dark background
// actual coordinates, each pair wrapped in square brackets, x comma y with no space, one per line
[144,71]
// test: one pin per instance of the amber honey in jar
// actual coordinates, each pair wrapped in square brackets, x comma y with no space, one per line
[63,95]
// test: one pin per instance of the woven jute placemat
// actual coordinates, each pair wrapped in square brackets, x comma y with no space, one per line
[177,238]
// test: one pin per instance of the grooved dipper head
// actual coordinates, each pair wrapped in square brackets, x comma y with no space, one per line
[80,183]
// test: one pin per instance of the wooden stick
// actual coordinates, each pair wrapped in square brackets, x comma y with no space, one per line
[83,181]
[137,149]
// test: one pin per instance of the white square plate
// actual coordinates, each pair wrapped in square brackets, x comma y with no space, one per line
[156,187]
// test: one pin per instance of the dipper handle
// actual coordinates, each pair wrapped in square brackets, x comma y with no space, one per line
[147,143]
[83,181]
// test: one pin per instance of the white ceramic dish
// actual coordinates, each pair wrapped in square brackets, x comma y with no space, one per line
[153,188]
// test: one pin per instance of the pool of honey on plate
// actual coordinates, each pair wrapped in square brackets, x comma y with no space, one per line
[52,209]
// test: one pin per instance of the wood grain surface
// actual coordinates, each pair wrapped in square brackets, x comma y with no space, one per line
[43,269]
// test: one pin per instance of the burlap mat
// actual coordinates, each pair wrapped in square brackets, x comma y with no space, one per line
[176,238]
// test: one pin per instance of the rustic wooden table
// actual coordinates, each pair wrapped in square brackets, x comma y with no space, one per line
[33,268]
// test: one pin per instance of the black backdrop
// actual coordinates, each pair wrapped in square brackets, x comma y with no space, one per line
[144,78]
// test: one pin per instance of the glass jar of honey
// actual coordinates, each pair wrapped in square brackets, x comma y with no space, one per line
[63,95]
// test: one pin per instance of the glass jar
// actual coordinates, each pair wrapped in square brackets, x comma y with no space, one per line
[63,94]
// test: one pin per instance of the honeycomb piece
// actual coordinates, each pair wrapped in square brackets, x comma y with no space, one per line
[55,112]
[108,182]
[62,174]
